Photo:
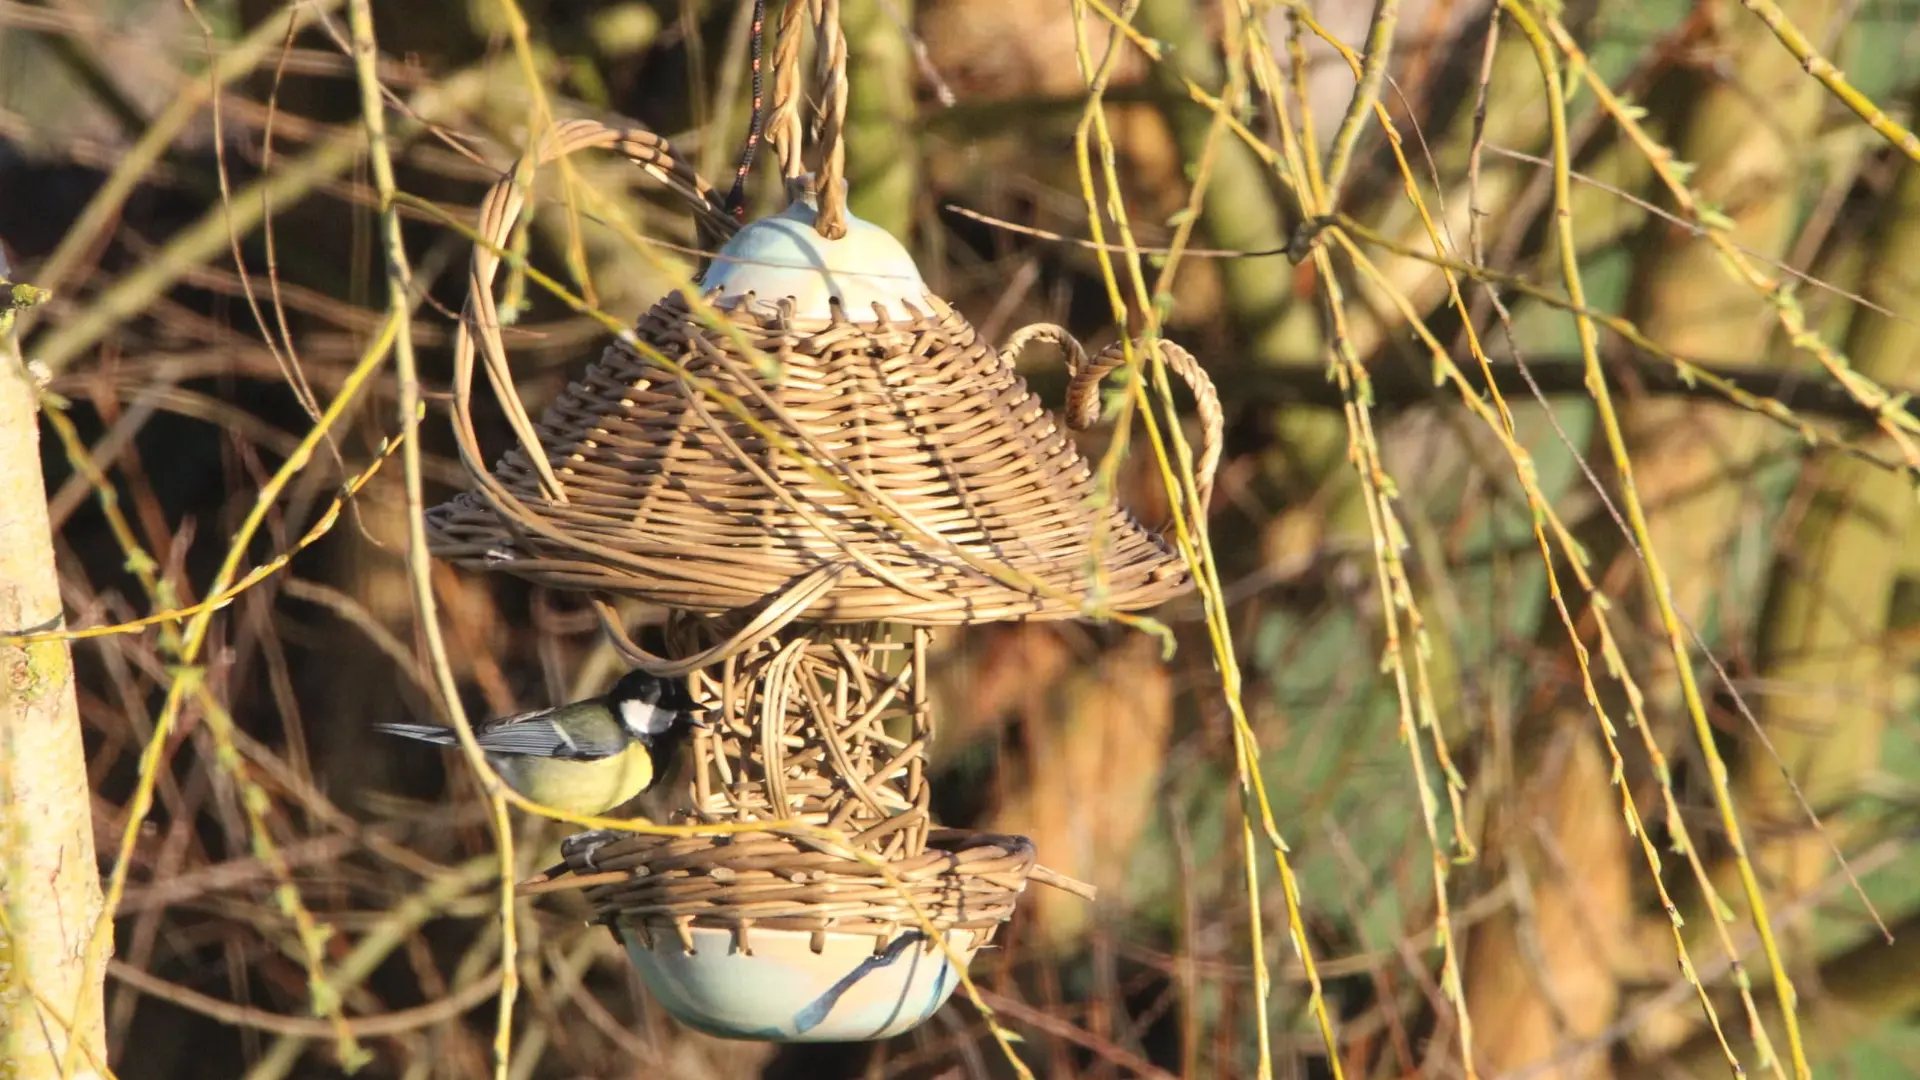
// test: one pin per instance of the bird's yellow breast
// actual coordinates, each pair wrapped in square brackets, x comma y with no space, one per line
[579,787]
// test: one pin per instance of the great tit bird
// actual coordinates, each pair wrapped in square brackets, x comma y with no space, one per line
[585,757]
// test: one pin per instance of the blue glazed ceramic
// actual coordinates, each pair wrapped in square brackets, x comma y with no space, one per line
[786,992]
[784,257]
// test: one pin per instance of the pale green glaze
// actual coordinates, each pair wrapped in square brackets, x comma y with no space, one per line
[784,256]
[786,992]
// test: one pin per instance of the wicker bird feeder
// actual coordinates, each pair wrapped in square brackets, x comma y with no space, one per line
[812,463]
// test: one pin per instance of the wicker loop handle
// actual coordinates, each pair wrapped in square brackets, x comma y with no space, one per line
[781,609]
[784,129]
[479,327]
[480,320]
[1083,390]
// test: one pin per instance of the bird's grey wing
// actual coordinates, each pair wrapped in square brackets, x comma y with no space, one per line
[531,734]
[538,736]
[433,733]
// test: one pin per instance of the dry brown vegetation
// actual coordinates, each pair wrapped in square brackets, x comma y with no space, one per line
[1568,579]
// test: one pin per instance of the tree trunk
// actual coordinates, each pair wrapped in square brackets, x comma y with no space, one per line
[49,882]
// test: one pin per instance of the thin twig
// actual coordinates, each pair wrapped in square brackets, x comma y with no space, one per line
[373,115]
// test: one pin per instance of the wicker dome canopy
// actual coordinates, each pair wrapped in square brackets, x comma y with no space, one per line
[916,460]
[783,258]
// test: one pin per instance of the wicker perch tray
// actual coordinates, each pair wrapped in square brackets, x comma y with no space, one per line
[955,496]
[650,883]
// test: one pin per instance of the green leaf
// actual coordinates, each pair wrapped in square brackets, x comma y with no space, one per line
[1714,218]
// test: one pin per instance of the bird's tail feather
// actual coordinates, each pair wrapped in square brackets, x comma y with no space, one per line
[433,733]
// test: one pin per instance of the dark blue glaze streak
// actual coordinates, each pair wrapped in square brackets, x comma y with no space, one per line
[811,1017]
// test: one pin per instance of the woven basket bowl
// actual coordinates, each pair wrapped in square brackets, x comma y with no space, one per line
[906,452]
[765,936]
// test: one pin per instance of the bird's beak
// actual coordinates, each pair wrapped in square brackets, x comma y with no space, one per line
[698,720]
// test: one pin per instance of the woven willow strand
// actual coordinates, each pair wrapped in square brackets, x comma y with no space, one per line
[825,726]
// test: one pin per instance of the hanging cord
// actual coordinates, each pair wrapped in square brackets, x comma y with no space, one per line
[785,127]
[756,121]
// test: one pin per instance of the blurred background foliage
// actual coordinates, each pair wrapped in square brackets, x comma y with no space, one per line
[215,267]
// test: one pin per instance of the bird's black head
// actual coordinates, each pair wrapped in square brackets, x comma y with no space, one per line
[652,705]
[638,686]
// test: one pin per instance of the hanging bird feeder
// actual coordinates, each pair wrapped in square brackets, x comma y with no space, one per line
[811,464]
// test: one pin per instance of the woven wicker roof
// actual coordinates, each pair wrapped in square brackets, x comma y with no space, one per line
[950,494]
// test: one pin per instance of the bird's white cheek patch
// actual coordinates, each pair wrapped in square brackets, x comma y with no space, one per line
[646,719]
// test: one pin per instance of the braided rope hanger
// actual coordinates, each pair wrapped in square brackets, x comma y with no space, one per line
[830,119]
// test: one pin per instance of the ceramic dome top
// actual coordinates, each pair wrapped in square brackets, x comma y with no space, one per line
[784,257]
